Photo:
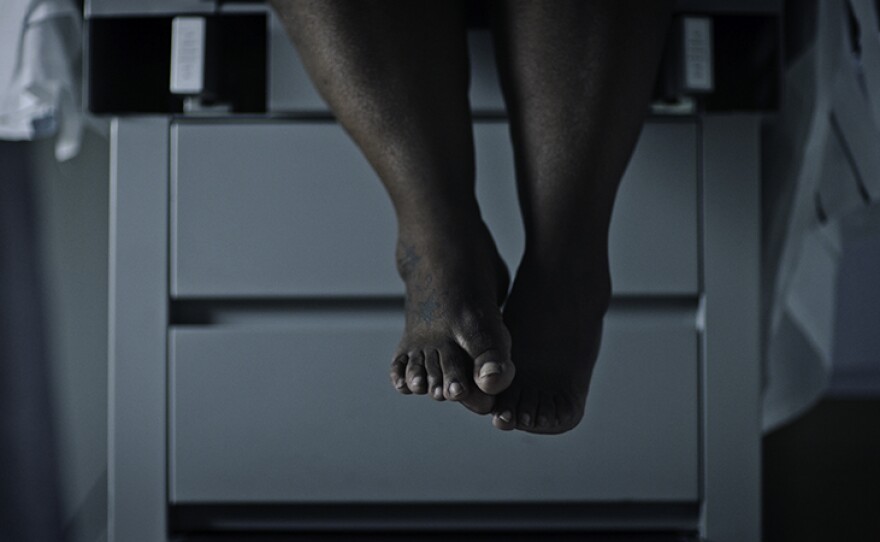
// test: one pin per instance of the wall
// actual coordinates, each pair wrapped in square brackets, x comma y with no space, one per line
[72,208]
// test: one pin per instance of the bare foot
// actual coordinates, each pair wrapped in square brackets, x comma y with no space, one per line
[554,315]
[455,345]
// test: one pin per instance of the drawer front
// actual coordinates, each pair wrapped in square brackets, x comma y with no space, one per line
[293,209]
[304,412]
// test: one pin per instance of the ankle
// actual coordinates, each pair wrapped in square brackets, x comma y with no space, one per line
[437,209]
[574,258]
[457,224]
[570,273]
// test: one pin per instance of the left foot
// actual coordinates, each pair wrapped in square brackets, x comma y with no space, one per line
[555,318]
[455,345]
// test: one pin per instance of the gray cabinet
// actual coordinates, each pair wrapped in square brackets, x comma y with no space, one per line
[295,406]
[254,307]
[267,409]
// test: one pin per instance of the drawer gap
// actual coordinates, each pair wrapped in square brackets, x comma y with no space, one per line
[654,517]
[218,311]
[241,311]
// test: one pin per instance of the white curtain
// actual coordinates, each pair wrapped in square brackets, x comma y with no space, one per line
[40,48]
[822,163]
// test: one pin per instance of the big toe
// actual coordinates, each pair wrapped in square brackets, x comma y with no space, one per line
[493,372]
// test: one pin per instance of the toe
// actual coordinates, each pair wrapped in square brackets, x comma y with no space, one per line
[435,375]
[398,373]
[575,405]
[504,413]
[546,412]
[493,372]
[527,409]
[455,374]
[488,344]
[565,411]
[416,377]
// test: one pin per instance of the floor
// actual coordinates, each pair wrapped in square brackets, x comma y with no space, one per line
[822,475]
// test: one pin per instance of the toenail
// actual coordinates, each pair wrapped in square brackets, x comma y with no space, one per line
[417,382]
[525,419]
[543,421]
[438,392]
[506,416]
[400,384]
[490,369]
[455,389]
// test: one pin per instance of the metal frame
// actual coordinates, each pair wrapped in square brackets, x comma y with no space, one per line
[138,323]
[731,379]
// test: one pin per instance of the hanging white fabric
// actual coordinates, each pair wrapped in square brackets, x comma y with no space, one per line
[823,165]
[40,49]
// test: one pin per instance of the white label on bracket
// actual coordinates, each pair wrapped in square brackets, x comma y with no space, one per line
[187,55]
[698,74]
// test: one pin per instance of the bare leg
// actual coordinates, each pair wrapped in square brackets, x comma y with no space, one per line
[577,78]
[395,74]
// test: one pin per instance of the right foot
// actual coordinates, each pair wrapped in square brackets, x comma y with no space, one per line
[455,345]
[555,313]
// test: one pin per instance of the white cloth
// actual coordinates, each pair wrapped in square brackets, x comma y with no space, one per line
[823,163]
[40,48]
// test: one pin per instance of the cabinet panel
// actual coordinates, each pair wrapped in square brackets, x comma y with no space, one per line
[277,209]
[654,229]
[293,209]
[304,412]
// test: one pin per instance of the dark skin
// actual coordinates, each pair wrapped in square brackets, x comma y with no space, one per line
[577,77]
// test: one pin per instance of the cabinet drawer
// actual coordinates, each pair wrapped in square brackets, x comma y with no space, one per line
[292,209]
[304,412]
